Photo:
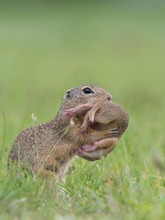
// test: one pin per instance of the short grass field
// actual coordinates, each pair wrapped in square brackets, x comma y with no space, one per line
[45,49]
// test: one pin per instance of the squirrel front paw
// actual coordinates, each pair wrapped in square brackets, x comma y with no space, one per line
[69,112]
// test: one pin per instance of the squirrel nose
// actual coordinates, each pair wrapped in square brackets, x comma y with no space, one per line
[109,97]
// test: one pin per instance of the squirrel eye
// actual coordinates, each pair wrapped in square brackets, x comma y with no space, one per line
[87,90]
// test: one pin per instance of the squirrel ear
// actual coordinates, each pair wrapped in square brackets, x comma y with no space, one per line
[68,94]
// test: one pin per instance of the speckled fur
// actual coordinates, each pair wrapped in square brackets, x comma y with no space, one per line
[48,148]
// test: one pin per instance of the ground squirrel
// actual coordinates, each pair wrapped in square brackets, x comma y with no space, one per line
[48,148]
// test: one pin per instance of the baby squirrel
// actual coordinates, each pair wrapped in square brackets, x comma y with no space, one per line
[104,116]
[48,148]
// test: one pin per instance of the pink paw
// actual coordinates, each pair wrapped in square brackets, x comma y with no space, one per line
[89,152]
[86,148]
[69,112]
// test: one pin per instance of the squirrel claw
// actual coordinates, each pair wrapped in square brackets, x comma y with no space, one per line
[115,132]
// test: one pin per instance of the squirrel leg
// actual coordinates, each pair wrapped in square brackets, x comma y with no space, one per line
[116,132]
[51,178]
[105,134]
[102,144]
[89,118]
[49,173]
[110,133]
[85,124]
[97,149]
[80,109]
[106,144]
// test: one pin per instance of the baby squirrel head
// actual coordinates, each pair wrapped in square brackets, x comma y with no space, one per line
[83,94]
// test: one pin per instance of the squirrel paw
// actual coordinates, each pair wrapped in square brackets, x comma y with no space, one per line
[87,148]
[88,152]
[69,112]
[115,132]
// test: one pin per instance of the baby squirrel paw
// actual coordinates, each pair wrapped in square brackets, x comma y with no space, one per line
[80,109]
[88,152]
[69,112]
[86,148]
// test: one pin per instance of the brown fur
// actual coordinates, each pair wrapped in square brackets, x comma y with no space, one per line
[49,147]
[107,118]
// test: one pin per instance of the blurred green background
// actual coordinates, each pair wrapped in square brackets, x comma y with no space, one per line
[48,47]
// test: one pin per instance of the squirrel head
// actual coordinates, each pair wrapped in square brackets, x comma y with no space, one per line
[83,94]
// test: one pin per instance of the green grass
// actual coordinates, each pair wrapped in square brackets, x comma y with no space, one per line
[46,49]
